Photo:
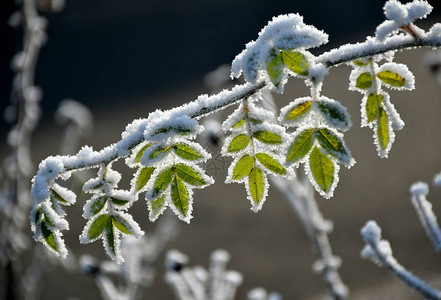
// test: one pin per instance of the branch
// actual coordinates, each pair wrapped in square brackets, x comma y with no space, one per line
[379,251]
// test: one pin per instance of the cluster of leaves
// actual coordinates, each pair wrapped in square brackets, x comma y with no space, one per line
[168,170]
[105,211]
[318,140]
[253,143]
[48,217]
[377,111]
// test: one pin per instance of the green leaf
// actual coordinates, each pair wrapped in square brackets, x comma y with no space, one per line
[322,169]
[121,224]
[162,181]
[238,143]
[119,202]
[143,177]
[98,226]
[158,151]
[301,146]
[240,123]
[57,196]
[372,104]
[179,195]
[179,129]
[267,137]
[189,175]
[186,152]
[332,112]
[256,183]
[364,80]
[38,214]
[331,143]
[97,186]
[98,204]
[391,78]
[298,111]
[295,61]
[256,122]
[110,236]
[157,205]
[48,236]
[383,128]
[360,63]
[274,67]
[243,167]
[140,153]
[270,163]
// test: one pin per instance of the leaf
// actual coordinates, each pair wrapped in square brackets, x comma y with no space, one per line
[360,63]
[238,143]
[364,80]
[143,177]
[372,104]
[331,143]
[391,78]
[256,183]
[38,215]
[98,226]
[333,112]
[48,236]
[298,111]
[162,181]
[243,167]
[97,186]
[178,129]
[322,169]
[239,123]
[158,151]
[97,204]
[121,224]
[189,175]
[157,205]
[186,152]
[119,202]
[267,137]
[256,121]
[140,153]
[301,146]
[274,67]
[179,195]
[295,61]
[57,196]
[383,128]
[110,237]
[270,163]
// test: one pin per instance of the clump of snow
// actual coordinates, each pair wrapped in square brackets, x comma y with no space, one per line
[419,188]
[401,15]
[283,32]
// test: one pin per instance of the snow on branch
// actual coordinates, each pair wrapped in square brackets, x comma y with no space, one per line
[380,252]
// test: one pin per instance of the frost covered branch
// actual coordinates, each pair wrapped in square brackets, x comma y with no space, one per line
[300,196]
[380,252]
[427,218]
[168,161]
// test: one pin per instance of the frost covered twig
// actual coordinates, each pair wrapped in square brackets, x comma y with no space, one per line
[380,252]
[427,218]
[300,196]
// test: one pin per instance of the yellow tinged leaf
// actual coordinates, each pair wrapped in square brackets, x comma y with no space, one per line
[298,111]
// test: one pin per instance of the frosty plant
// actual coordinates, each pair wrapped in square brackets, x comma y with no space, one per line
[162,147]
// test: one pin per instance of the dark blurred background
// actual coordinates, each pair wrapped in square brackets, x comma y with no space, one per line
[124,59]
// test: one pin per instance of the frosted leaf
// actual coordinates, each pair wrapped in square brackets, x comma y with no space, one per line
[435,32]
[53,220]
[63,195]
[396,76]
[333,113]
[397,122]
[297,112]
[330,180]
